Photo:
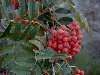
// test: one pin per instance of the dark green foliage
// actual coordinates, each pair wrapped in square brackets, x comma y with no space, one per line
[65,20]
[62,11]
[7,31]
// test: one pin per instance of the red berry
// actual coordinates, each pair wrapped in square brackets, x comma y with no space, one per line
[53,32]
[79,37]
[77,50]
[82,72]
[74,38]
[77,27]
[66,44]
[65,50]
[65,33]
[54,45]
[73,33]
[63,27]
[78,47]
[60,41]
[79,32]
[78,71]
[16,5]
[60,37]
[65,39]
[60,46]
[60,31]
[50,44]
[72,28]
[74,23]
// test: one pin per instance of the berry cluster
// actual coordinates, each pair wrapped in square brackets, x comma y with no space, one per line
[64,41]
[79,72]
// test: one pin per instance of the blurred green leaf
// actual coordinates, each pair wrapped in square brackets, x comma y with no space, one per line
[33,31]
[25,61]
[31,8]
[21,10]
[26,31]
[62,11]
[8,60]
[20,70]
[7,49]
[37,43]
[65,20]
[5,4]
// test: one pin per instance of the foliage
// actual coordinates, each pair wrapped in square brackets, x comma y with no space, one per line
[29,23]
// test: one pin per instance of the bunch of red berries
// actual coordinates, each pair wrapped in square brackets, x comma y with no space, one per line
[66,41]
[79,72]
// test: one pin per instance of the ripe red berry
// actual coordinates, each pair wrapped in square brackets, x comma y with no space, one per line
[65,39]
[77,27]
[60,41]
[65,33]
[60,31]
[79,37]
[54,45]
[78,71]
[79,32]
[78,47]
[74,38]
[66,44]
[82,72]
[60,37]
[60,46]
[65,50]
[73,33]
[53,32]
[16,5]
[72,28]
[63,27]
[50,44]
[74,23]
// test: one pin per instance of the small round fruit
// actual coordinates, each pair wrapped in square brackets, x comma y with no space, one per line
[60,31]
[60,46]
[53,32]
[63,27]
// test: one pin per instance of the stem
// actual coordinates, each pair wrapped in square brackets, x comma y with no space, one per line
[53,71]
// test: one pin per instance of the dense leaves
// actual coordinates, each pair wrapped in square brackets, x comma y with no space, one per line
[29,30]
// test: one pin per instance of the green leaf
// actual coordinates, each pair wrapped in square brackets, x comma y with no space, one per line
[65,20]
[62,11]
[26,50]
[7,49]
[60,55]
[16,34]
[44,54]
[8,60]
[7,31]
[37,69]
[37,43]
[27,29]
[33,32]
[41,38]
[31,8]
[21,10]
[25,61]
[20,70]
[5,4]
[66,70]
